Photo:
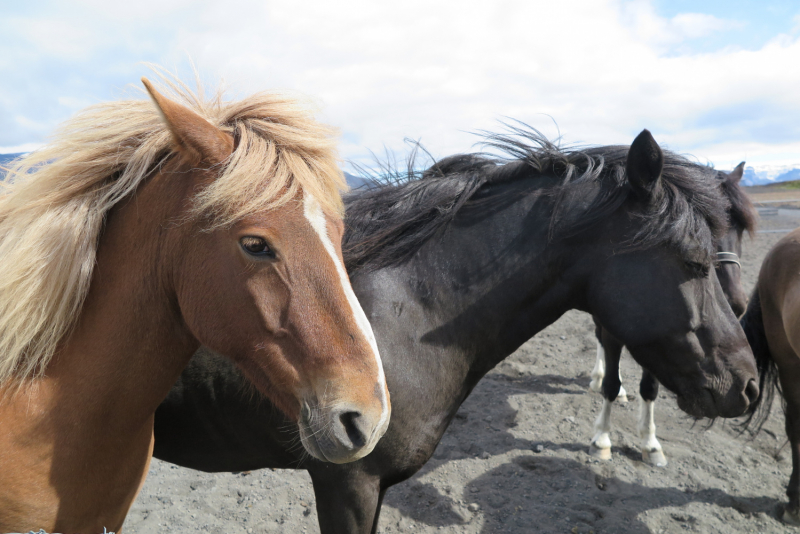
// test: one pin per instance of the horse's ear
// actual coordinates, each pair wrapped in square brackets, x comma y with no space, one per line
[193,135]
[735,176]
[644,166]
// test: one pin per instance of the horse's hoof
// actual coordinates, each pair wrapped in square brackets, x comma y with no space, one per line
[790,518]
[596,385]
[599,454]
[622,398]
[654,458]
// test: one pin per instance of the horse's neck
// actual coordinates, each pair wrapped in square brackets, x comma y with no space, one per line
[128,346]
[95,404]
[505,295]
[472,294]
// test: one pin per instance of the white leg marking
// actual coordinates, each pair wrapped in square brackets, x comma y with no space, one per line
[651,448]
[599,371]
[623,395]
[313,212]
[601,442]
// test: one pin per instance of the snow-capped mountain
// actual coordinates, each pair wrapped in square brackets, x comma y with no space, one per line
[770,174]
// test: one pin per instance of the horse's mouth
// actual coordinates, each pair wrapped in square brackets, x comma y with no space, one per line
[309,440]
[699,405]
[710,403]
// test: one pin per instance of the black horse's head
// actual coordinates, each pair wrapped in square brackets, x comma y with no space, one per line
[741,218]
[653,284]
[629,234]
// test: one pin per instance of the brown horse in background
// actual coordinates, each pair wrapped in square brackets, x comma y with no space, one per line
[772,326]
[139,234]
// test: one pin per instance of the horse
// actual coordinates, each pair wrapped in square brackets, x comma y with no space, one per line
[770,324]
[742,217]
[458,266]
[144,230]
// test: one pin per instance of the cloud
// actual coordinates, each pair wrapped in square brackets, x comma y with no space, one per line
[662,33]
[603,70]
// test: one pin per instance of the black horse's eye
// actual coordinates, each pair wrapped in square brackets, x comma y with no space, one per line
[697,268]
[256,246]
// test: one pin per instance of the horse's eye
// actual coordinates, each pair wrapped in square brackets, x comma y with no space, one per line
[256,246]
[697,268]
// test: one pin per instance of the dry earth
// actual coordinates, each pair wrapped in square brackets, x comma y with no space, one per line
[515,460]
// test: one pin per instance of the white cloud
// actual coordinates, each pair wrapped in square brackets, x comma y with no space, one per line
[17,149]
[432,70]
[661,33]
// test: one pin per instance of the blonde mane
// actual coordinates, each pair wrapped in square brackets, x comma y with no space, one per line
[54,201]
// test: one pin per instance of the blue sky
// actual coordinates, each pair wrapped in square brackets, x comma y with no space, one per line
[714,79]
[759,22]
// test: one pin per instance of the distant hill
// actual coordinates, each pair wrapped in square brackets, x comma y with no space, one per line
[5,160]
[770,174]
[354,181]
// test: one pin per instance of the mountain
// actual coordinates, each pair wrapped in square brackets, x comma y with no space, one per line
[761,175]
[5,160]
[770,174]
[352,180]
[355,181]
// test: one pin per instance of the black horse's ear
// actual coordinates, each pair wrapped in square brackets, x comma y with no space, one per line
[735,176]
[644,166]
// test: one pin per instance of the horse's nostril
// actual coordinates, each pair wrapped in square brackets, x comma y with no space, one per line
[350,421]
[751,391]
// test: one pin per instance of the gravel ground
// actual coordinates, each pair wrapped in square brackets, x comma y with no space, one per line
[515,460]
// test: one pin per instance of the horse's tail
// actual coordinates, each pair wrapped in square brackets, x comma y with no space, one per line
[753,324]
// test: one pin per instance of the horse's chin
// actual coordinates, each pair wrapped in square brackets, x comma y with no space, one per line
[310,442]
[320,442]
[699,405]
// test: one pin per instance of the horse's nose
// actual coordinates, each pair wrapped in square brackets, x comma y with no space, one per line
[751,391]
[349,429]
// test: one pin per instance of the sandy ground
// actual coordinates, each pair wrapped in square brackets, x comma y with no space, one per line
[515,460]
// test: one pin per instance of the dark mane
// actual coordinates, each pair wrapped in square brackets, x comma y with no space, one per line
[388,222]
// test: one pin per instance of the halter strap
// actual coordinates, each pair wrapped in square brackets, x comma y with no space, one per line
[728,257]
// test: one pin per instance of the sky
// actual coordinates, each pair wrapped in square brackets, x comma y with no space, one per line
[715,80]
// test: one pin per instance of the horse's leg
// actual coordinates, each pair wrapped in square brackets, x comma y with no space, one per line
[599,371]
[601,442]
[348,500]
[378,512]
[651,449]
[622,396]
[791,513]
[789,376]
[784,347]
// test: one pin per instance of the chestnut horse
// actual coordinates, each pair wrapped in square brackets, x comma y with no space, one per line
[143,231]
[742,217]
[458,267]
[772,326]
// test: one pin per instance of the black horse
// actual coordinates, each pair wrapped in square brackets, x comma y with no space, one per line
[741,217]
[460,266]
